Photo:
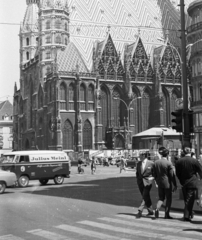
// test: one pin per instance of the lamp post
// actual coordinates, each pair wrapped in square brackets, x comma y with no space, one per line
[128,108]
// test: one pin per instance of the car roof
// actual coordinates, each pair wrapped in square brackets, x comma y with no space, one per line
[33,152]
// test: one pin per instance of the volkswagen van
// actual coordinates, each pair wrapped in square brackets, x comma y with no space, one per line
[37,165]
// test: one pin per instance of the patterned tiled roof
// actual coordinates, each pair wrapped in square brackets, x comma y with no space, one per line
[6,108]
[70,59]
[30,22]
[89,21]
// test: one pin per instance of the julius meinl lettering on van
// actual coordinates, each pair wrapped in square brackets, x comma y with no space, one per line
[51,158]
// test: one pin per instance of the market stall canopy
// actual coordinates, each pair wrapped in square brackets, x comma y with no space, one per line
[157,132]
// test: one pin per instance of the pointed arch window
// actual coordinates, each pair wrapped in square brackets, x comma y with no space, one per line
[87,135]
[90,98]
[164,106]
[82,97]
[104,102]
[172,102]
[145,111]
[48,25]
[134,113]
[67,132]
[65,26]
[63,102]
[117,119]
[71,97]
[65,41]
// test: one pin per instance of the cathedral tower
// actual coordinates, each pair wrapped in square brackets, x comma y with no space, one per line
[53,32]
[29,32]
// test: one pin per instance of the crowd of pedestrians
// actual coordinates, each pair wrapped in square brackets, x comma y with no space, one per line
[163,173]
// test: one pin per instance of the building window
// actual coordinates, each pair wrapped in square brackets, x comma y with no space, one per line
[71,97]
[199,67]
[58,40]
[27,55]
[65,26]
[48,70]
[67,133]
[48,39]
[87,135]
[57,24]
[48,55]
[90,98]
[145,110]
[65,41]
[82,97]
[63,104]
[48,25]
[200,91]
[27,41]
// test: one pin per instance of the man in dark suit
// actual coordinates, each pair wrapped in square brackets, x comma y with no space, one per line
[144,182]
[187,169]
[164,176]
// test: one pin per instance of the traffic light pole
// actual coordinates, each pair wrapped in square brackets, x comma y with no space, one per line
[186,125]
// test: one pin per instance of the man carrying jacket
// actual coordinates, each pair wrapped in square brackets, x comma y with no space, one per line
[164,176]
[144,182]
[187,169]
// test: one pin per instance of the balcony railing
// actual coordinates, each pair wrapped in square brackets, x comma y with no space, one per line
[194,27]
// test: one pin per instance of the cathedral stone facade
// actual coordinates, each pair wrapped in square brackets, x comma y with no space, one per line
[63,104]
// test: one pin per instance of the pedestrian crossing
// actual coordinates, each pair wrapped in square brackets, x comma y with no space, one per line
[122,226]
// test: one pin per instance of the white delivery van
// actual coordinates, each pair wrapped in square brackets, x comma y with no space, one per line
[37,165]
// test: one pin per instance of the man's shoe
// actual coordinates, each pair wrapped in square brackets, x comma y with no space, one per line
[192,215]
[168,217]
[156,213]
[139,214]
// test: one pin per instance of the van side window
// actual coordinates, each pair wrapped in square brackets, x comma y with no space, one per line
[24,159]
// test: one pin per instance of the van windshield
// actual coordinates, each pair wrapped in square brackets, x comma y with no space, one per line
[8,158]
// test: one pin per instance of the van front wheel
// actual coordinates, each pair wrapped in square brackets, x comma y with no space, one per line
[43,181]
[58,180]
[23,181]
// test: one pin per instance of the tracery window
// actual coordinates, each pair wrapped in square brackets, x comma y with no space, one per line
[27,41]
[116,109]
[87,135]
[164,106]
[67,132]
[82,97]
[27,55]
[63,103]
[48,55]
[145,110]
[71,97]
[134,113]
[104,102]
[90,98]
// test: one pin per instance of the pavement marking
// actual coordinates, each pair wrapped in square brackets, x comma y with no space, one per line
[48,235]
[151,226]
[10,237]
[133,232]
[88,233]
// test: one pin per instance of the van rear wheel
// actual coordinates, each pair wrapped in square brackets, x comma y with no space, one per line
[23,181]
[2,187]
[43,181]
[58,180]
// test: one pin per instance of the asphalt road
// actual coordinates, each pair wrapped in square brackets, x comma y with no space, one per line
[85,206]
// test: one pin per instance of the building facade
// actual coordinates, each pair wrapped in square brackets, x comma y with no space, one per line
[194,39]
[66,103]
[6,126]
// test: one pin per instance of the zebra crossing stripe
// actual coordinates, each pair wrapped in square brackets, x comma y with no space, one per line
[131,231]
[48,235]
[10,237]
[152,227]
[89,233]
[161,221]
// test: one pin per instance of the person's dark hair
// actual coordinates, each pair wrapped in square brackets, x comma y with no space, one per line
[187,150]
[163,151]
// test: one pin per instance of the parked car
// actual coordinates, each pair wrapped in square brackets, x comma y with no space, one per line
[7,179]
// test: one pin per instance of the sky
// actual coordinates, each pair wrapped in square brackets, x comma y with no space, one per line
[11,12]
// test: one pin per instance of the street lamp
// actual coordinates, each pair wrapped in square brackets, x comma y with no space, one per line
[127,107]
